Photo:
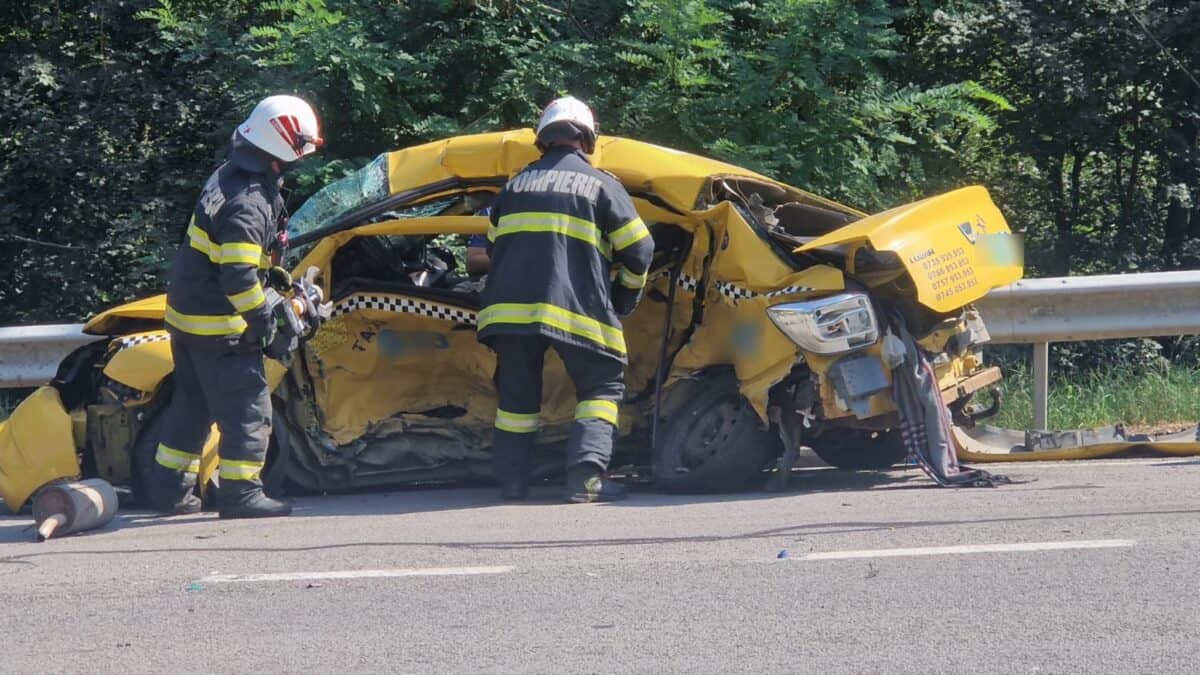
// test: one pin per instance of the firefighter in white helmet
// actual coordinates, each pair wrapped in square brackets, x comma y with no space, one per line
[219,321]
[560,230]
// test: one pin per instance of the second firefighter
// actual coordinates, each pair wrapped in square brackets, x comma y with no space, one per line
[559,230]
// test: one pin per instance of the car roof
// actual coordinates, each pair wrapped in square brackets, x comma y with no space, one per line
[675,176]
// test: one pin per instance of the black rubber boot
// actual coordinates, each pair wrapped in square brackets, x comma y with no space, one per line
[170,494]
[511,465]
[185,506]
[514,490]
[241,502]
[586,483]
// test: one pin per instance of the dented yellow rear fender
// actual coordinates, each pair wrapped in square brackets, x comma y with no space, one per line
[36,447]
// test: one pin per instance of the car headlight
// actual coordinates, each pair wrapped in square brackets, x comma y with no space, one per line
[838,323]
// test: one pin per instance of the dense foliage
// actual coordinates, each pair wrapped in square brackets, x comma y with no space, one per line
[1080,115]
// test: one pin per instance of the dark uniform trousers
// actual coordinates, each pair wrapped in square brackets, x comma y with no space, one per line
[599,385]
[219,320]
[221,384]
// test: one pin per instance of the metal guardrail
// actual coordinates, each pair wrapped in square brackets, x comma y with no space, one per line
[1032,311]
[1069,309]
[29,355]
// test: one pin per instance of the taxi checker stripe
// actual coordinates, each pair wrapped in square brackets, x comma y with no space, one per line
[570,322]
[177,460]
[233,469]
[628,234]
[123,343]
[600,408]
[516,423]
[404,306]
[248,299]
[236,253]
[200,324]
[557,223]
[632,279]
[735,292]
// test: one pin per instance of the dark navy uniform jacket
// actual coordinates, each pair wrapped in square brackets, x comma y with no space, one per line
[560,229]
[215,291]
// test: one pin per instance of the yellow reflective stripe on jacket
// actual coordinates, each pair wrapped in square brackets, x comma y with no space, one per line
[236,253]
[177,460]
[557,317]
[631,279]
[203,324]
[241,253]
[629,234]
[233,469]
[198,239]
[248,299]
[599,408]
[557,223]
[517,423]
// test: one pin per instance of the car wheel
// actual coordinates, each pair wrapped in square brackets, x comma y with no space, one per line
[142,454]
[860,449]
[714,442]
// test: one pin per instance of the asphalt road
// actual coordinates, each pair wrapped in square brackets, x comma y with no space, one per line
[1088,567]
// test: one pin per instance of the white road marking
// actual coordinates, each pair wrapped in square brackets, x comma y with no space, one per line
[356,574]
[998,467]
[966,549]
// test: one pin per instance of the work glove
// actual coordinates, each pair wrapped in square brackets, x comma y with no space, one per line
[279,279]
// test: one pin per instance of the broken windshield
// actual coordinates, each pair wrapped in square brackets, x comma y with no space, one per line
[365,186]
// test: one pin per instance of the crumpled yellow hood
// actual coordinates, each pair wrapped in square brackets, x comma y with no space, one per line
[114,321]
[956,246]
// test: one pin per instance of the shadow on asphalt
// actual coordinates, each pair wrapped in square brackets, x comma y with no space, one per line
[429,498]
[773,534]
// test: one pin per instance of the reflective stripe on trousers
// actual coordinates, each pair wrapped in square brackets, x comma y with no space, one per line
[517,423]
[177,460]
[234,469]
[597,408]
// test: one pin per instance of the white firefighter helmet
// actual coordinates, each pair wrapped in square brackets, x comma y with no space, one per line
[565,118]
[284,126]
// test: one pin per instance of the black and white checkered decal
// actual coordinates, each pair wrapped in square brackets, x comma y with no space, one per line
[122,343]
[736,293]
[399,305]
[688,283]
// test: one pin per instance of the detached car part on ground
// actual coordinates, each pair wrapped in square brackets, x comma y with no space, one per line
[767,322]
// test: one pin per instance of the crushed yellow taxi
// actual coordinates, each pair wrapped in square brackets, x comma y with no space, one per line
[765,310]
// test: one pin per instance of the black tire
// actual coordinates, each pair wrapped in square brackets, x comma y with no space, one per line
[860,449]
[714,442]
[143,451]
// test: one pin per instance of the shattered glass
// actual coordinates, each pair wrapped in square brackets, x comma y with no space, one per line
[365,186]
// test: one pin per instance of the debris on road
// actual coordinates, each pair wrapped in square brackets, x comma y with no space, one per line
[64,508]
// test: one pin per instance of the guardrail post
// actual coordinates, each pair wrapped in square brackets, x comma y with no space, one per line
[1041,384]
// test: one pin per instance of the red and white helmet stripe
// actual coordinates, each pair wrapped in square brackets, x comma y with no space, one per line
[284,126]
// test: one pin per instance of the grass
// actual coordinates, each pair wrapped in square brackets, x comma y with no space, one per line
[1140,399]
